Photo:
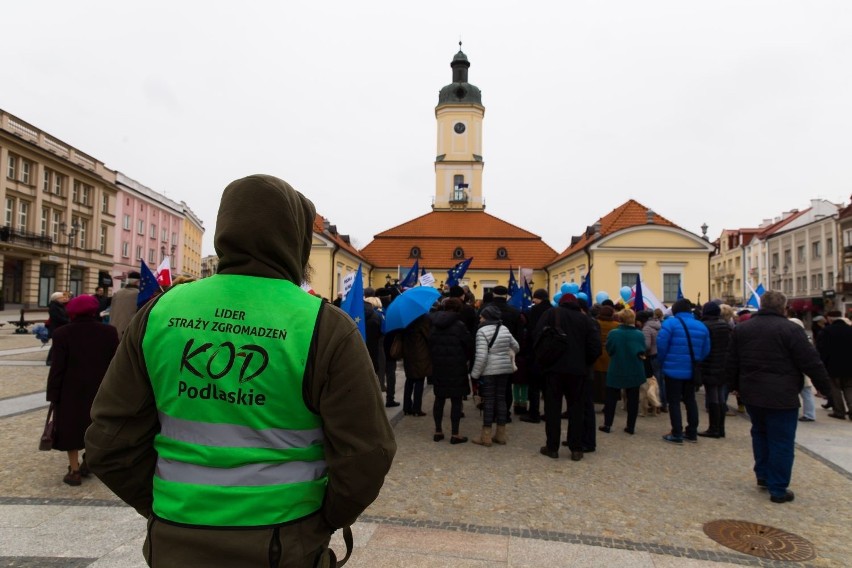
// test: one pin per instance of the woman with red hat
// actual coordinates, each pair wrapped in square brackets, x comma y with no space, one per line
[82,351]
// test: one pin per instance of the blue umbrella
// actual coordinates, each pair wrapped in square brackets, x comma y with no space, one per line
[409,306]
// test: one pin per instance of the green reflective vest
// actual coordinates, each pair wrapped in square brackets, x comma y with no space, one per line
[237,446]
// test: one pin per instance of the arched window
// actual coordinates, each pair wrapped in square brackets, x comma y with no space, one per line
[502,253]
[458,253]
[415,252]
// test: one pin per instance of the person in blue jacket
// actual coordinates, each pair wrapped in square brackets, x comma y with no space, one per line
[676,362]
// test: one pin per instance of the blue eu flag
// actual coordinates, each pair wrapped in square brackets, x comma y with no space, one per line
[410,280]
[513,284]
[354,303]
[586,286]
[147,285]
[455,273]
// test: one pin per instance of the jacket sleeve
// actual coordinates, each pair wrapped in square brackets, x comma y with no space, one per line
[732,363]
[663,341]
[359,441]
[120,441]
[807,359]
[58,359]
[481,355]
[705,343]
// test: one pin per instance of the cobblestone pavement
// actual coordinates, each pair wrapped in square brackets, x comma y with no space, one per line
[635,502]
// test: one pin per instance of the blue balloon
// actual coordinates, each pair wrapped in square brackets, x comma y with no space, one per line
[556,297]
[583,296]
[601,296]
[573,288]
[564,288]
[626,293]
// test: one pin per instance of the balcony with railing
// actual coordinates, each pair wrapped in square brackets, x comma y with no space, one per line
[12,235]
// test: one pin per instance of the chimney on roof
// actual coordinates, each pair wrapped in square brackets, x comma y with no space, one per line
[649,216]
[597,229]
[345,239]
[325,224]
[575,240]
[332,229]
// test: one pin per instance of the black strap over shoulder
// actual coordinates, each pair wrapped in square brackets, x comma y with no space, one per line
[688,339]
[494,337]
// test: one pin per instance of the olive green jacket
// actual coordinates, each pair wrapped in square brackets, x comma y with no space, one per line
[267,241]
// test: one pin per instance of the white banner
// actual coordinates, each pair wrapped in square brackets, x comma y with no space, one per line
[651,301]
[427,279]
[348,280]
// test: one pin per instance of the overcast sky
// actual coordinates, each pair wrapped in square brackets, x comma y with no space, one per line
[718,112]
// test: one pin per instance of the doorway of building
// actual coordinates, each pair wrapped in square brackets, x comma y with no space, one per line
[13,280]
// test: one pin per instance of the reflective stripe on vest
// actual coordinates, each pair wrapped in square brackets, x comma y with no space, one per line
[237,445]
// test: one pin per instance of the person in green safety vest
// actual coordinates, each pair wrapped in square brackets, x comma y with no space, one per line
[241,415]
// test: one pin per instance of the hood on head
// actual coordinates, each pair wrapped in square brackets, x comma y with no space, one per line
[264,228]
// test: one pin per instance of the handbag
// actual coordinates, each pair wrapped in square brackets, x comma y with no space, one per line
[46,442]
[396,348]
[697,379]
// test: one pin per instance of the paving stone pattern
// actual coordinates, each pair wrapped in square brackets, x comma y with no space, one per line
[637,501]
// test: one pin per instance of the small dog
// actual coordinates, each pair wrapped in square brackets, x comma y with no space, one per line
[649,397]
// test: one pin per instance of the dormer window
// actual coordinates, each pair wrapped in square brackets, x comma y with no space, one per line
[415,252]
[502,253]
[458,252]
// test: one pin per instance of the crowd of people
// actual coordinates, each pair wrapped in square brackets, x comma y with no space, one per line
[653,361]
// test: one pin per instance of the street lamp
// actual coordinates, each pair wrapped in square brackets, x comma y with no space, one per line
[70,234]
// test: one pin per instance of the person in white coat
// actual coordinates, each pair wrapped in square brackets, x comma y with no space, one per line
[493,367]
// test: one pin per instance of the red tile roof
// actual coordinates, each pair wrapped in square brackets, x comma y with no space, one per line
[775,227]
[337,238]
[630,214]
[479,234]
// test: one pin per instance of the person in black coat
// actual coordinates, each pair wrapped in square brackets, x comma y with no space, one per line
[512,320]
[768,356]
[56,317]
[82,351]
[834,344]
[713,369]
[541,303]
[451,349]
[566,376]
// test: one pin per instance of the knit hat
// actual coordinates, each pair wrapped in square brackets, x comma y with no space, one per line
[82,306]
[711,309]
[540,294]
[500,291]
[490,313]
[456,292]
[383,292]
[644,315]
[567,299]
[369,292]
[608,302]
[682,305]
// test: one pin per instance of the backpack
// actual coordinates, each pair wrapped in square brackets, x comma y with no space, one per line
[551,343]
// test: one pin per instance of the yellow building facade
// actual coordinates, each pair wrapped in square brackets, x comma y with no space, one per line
[633,240]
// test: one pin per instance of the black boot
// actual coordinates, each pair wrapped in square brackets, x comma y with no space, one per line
[713,414]
[722,413]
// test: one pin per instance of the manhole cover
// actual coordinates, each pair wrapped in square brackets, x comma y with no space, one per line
[760,540]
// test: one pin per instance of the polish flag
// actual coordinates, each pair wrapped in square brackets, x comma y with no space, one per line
[164,273]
